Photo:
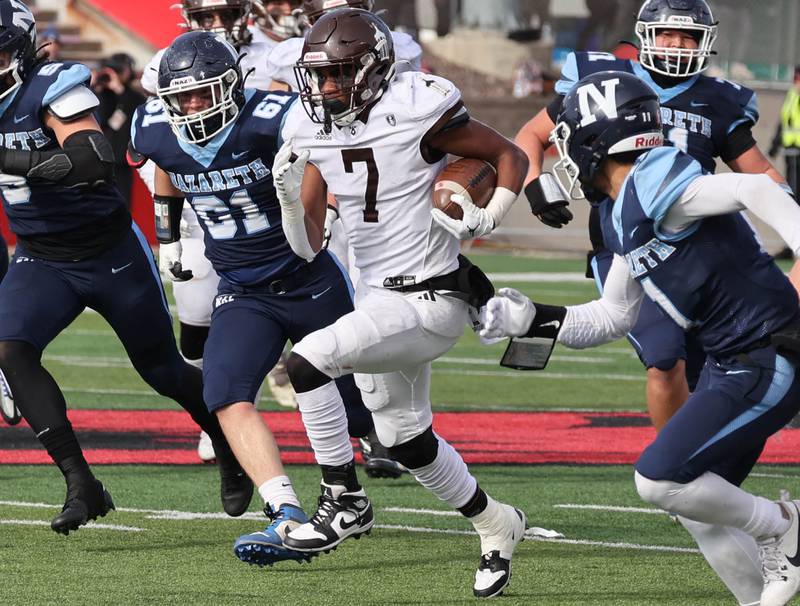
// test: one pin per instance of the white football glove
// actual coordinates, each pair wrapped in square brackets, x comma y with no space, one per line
[287,175]
[509,314]
[475,223]
[331,216]
[169,263]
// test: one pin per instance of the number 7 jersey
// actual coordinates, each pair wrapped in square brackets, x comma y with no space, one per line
[381,174]
[228,183]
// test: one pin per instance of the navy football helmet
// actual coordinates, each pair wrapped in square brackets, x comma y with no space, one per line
[691,16]
[200,64]
[18,40]
[605,113]
[228,18]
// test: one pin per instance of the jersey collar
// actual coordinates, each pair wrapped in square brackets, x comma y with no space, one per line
[664,94]
[206,154]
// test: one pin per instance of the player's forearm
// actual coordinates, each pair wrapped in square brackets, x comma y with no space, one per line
[533,140]
[608,318]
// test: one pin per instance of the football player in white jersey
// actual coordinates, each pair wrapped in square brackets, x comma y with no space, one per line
[376,137]
[194,297]
[280,63]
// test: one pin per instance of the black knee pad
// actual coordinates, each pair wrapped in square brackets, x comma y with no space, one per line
[193,339]
[417,452]
[303,375]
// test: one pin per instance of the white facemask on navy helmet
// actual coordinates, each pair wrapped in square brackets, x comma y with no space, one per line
[605,113]
[690,16]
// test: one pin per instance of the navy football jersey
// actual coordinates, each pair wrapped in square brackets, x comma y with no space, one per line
[38,207]
[712,278]
[697,114]
[228,182]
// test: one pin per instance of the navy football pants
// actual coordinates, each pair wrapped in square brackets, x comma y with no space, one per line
[739,402]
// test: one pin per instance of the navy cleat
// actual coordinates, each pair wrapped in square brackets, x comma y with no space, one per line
[265,547]
[85,502]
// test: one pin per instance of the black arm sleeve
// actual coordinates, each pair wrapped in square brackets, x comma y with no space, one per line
[86,159]
[739,141]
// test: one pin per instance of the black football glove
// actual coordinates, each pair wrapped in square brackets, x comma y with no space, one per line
[547,201]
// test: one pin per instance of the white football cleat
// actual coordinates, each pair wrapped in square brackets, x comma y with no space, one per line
[499,537]
[780,561]
[340,515]
[205,449]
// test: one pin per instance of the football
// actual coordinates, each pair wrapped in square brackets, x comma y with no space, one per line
[474,179]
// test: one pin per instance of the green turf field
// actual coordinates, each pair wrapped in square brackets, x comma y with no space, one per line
[158,551]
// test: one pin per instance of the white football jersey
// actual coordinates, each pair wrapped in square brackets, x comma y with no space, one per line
[381,181]
[281,62]
[255,58]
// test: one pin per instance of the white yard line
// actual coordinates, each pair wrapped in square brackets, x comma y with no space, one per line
[495,362]
[188,515]
[619,508]
[89,526]
[541,375]
[540,276]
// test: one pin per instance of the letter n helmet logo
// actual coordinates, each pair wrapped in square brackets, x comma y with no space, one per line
[605,101]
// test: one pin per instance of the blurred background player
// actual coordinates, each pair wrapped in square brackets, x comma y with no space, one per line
[677,235]
[787,138]
[277,20]
[77,247]
[213,142]
[413,299]
[112,83]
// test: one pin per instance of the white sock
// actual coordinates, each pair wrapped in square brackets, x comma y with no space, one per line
[198,363]
[278,491]
[447,477]
[733,555]
[325,420]
[714,500]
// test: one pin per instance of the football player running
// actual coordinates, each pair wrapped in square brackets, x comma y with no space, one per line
[375,136]
[77,248]
[280,69]
[677,236]
[194,297]
[213,142]
[706,117]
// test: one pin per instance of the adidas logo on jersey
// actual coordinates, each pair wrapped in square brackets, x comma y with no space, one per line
[323,136]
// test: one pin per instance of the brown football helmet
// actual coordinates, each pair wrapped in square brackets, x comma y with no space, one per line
[347,62]
[270,17]
[314,9]
[226,17]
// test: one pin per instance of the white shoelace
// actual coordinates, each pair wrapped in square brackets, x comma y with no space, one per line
[771,559]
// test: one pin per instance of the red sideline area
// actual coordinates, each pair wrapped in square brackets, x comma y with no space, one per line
[153,20]
[170,437]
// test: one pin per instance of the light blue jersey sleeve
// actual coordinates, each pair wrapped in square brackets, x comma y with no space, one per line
[660,178]
[67,79]
[749,113]
[569,75]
